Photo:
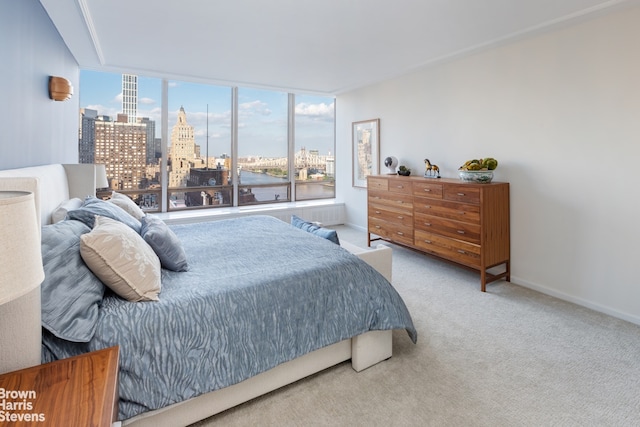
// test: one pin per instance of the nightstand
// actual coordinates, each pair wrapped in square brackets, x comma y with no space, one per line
[79,391]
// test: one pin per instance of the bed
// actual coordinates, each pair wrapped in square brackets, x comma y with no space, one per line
[260,305]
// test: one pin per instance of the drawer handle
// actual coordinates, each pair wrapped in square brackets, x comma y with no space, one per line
[460,231]
[461,194]
[378,227]
[428,190]
[461,251]
[428,242]
[428,224]
[377,212]
[400,233]
[400,201]
[400,186]
[461,212]
[376,197]
[400,217]
[427,207]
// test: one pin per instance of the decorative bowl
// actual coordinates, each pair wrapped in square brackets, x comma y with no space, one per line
[482,177]
[404,173]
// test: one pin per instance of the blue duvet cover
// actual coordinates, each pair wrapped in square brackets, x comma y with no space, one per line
[258,293]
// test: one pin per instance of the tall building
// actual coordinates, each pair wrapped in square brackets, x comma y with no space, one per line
[121,146]
[130,108]
[130,96]
[151,140]
[86,135]
[183,151]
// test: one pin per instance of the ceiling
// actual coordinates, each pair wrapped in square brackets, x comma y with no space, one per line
[304,46]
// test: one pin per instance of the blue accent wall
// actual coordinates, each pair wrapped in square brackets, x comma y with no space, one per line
[34,130]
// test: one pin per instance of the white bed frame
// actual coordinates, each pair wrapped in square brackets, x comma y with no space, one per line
[55,183]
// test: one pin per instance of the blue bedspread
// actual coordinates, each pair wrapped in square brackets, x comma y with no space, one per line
[258,293]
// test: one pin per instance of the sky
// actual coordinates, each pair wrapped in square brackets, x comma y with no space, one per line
[262,115]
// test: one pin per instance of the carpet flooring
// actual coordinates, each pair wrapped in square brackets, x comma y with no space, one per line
[507,357]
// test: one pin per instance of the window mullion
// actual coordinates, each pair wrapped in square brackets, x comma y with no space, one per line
[234,144]
[164,123]
[291,150]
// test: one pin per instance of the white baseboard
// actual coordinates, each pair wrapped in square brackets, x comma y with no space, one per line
[357,227]
[576,300]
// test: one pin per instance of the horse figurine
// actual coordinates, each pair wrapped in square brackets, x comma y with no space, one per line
[431,171]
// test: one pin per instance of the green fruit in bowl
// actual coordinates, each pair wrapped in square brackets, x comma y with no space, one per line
[490,163]
[487,163]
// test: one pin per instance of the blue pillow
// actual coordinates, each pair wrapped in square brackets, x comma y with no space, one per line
[164,243]
[312,228]
[93,206]
[71,293]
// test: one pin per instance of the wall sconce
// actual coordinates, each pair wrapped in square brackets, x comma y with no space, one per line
[60,89]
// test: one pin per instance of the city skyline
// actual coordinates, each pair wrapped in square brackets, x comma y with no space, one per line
[262,114]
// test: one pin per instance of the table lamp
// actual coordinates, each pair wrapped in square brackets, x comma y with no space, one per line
[21,274]
[101,176]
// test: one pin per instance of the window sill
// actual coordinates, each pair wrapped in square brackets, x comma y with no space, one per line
[327,211]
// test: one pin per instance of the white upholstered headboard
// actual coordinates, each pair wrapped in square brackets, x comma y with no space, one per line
[51,184]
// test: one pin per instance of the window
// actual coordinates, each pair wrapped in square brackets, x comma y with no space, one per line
[263,163]
[314,147]
[129,146]
[199,148]
[206,126]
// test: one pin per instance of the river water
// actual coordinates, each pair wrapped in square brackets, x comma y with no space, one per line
[309,191]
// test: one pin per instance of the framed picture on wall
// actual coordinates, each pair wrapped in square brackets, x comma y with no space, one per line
[365,137]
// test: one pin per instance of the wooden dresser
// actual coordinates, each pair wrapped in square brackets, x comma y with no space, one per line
[461,222]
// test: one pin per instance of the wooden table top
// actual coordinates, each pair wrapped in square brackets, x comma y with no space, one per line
[79,391]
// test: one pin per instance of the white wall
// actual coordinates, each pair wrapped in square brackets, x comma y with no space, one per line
[35,129]
[561,112]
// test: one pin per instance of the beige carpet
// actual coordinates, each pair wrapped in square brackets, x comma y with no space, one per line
[508,357]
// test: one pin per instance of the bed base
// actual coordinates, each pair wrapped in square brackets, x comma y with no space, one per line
[364,351]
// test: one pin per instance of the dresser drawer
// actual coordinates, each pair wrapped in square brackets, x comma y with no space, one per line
[399,185]
[458,230]
[455,250]
[462,193]
[397,201]
[377,184]
[427,189]
[458,211]
[398,233]
[395,216]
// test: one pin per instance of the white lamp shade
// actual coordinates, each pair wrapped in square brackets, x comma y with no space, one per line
[101,176]
[20,253]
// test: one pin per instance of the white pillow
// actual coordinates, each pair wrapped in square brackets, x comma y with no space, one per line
[60,213]
[127,204]
[123,261]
